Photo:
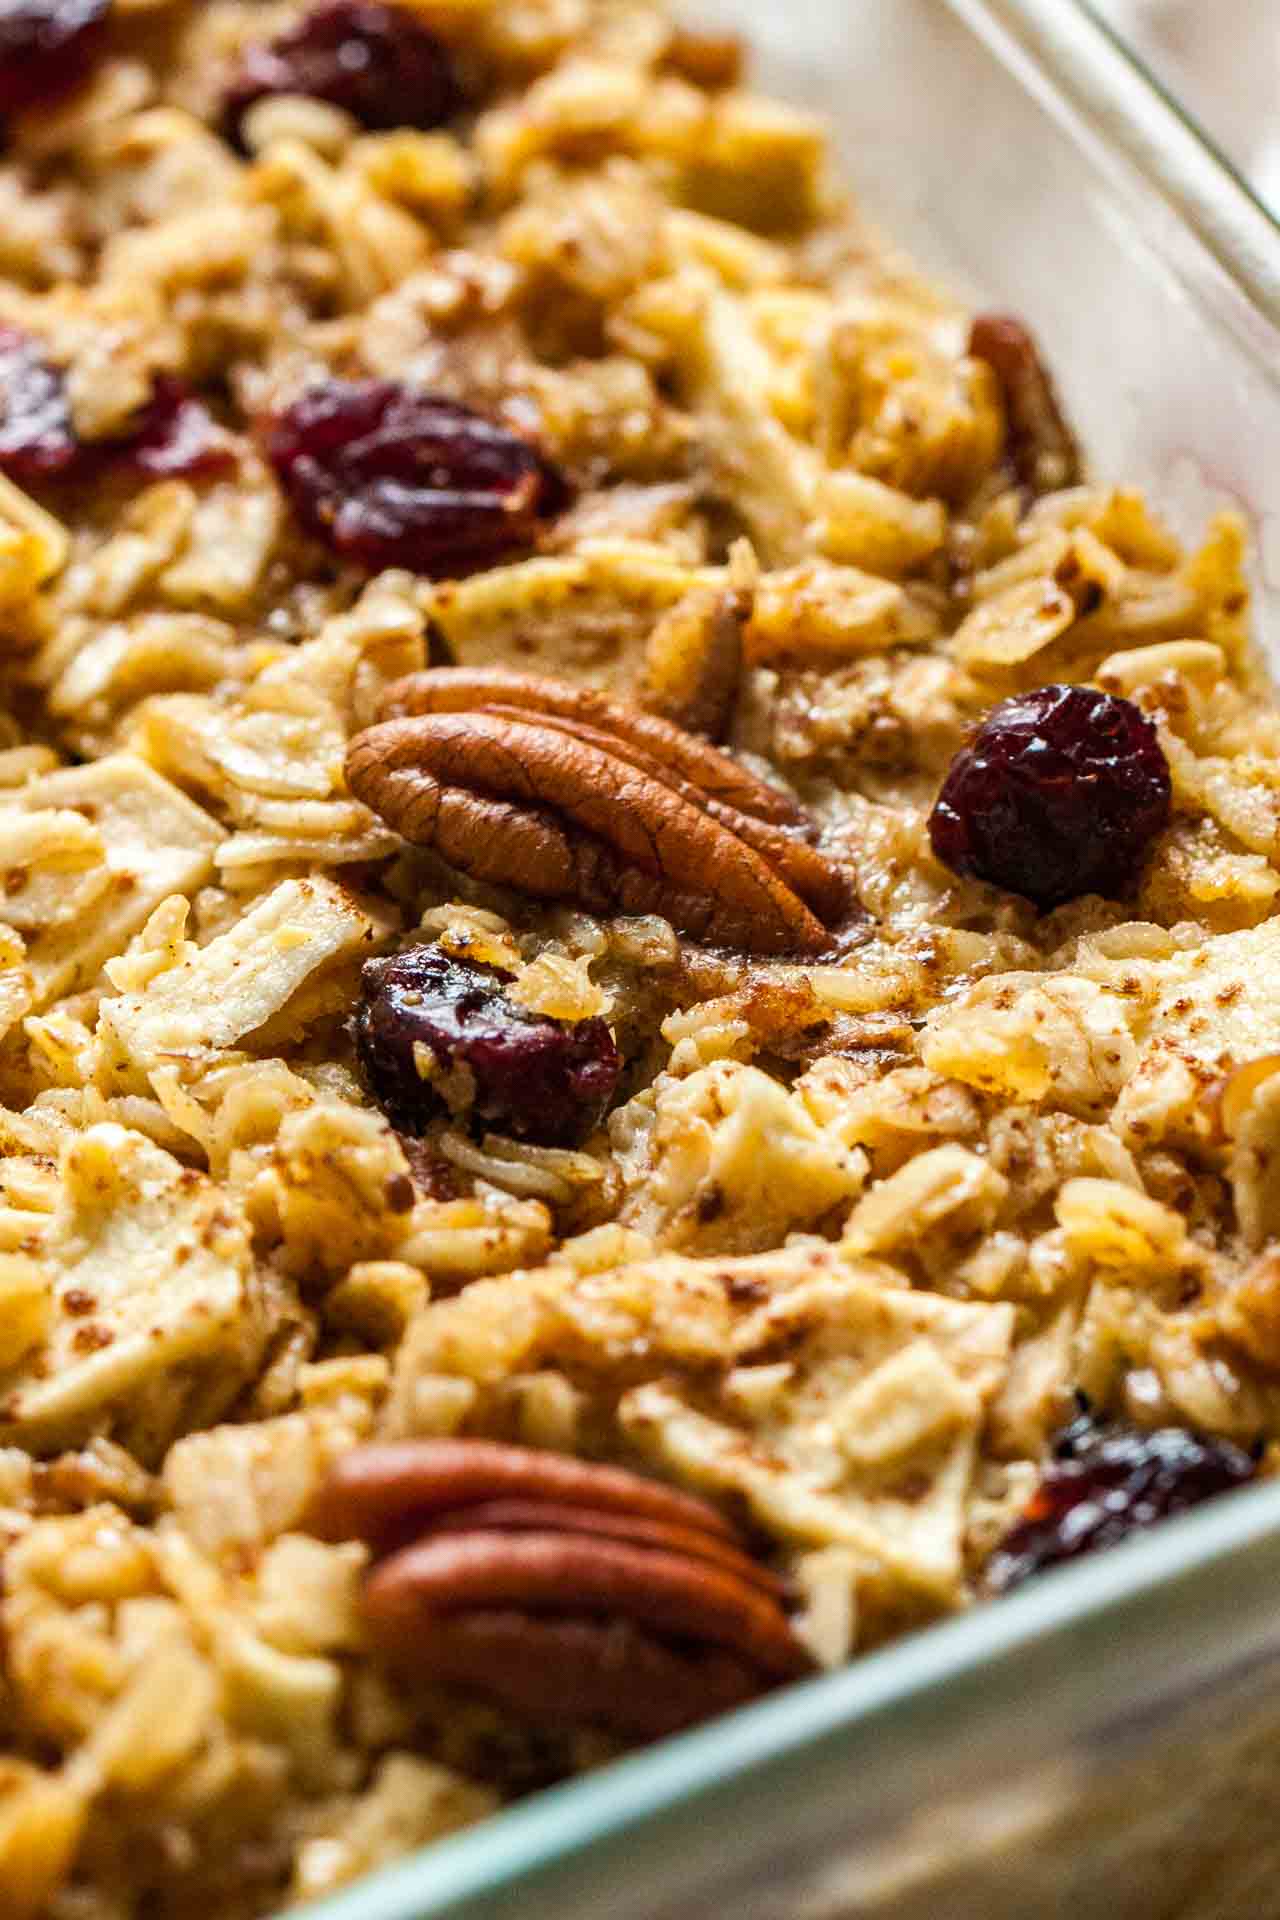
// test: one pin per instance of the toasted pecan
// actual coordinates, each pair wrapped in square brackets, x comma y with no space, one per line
[536,1516]
[822,886]
[566,1573]
[575,1593]
[601,1673]
[470,689]
[1041,446]
[567,796]
[374,1492]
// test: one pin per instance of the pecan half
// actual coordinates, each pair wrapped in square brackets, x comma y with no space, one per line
[574,1673]
[566,795]
[464,689]
[574,1593]
[1042,448]
[385,1494]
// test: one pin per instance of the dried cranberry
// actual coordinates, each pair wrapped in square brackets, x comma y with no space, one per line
[391,477]
[1060,793]
[377,62]
[1107,1481]
[1041,446]
[519,1072]
[173,434]
[47,48]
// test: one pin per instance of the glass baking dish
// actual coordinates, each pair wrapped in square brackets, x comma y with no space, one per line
[1106,1742]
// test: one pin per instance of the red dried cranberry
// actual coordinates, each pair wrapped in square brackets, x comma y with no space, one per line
[47,48]
[173,434]
[1041,446]
[391,477]
[1107,1481]
[1060,793]
[377,62]
[534,1078]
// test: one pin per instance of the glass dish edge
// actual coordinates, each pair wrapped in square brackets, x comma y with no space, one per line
[1113,1618]
[1095,73]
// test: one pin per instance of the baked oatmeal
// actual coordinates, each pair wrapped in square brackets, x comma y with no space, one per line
[640,995]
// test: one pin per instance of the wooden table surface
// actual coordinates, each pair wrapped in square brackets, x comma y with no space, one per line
[1222,58]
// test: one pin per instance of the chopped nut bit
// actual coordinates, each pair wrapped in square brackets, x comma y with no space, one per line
[1041,445]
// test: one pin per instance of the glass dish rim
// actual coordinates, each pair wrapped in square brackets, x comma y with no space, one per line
[1092,71]
[1162,1573]
[1190,120]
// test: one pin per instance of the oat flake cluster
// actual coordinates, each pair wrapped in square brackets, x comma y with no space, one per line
[546,559]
